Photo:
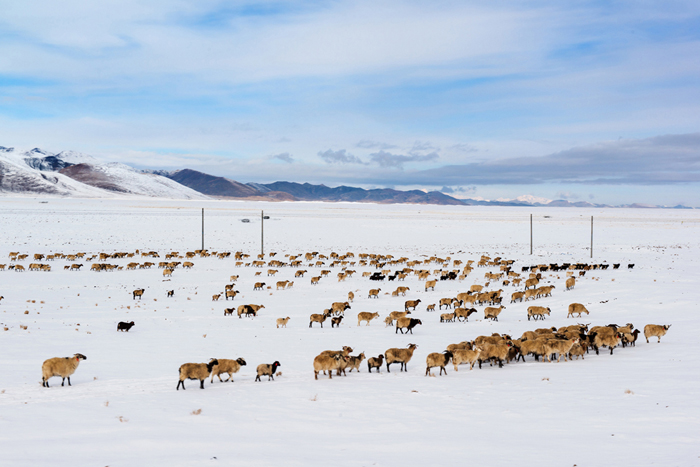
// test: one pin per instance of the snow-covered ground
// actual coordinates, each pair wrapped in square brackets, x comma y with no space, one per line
[639,406]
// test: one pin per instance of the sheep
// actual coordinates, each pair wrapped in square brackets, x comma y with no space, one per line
[464,345]
[476,288]
[630,338]
[435,359]
[576,308]
[577,350]
[388,321]
[229,311]
[464,313]
[335,322]
[430,307]
[606,340]
[249,309]
[570,283]
[60,366]
[339,307]
[517,296]
[430,285]
[227,366]
[215,297]
[537,311]
[447,302]
[407,323]
[559,346]
[401,356]
[300,273]
[232,294]
[366,316]
[267,369]
[374,293]
[200,371]
[122,326]
[282,322]
[319,318]
[399,314]
[497,352]
[655,330]
[282,284]
[532,346]
[138,293]
[166,272]
[375,362]
[469,356]
[170,293]
[492,312]
[447,317]
[258,286]
[531,283]
[353,362]
[351,296]
[402,290]
[411,304]
[327,363]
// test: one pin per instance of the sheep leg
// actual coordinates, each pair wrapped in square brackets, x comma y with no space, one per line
[315,374]
[201,384]
[181,383]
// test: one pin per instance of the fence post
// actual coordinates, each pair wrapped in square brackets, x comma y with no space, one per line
[262,233]
[202,228]
[591,237]
[530,233]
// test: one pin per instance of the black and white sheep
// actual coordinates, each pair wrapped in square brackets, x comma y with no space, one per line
[267,369]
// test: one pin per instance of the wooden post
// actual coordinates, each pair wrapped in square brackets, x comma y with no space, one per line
[262,233]
[202,228]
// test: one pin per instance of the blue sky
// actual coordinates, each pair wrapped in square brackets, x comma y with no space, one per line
[584,100]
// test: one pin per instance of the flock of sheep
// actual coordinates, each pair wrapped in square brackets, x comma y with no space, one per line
[546,343]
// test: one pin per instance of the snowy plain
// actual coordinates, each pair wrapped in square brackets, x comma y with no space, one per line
[639,406]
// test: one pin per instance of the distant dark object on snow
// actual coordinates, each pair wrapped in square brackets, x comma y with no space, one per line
[122,326]
[245,221]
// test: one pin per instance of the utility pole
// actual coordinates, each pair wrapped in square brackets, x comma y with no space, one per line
[262,233]
[530,233]
[202,228]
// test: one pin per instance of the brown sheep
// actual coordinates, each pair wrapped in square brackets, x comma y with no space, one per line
[605,340]
[517,296]
[570,283]
[492,312]
[339,307]
[447,317]
[536,312]
[576,308]
[327,363]
[430,285]
[374,293]
[469,356]
[401,356]
[655,330]
[351,296]
[366,316]
[375,362]
[60,366]
[464,345]
[353,363]
[559,346]
[267,369]
[335,322]
[138,293]
[319,318]
[227,366]
[463,313]
[231,294]
[436,359]
[407,323]
[200,371]
[402,291]
[215,297]
[430,307]
[282,322]
[447,302]
[282,284]
[411,304]
[497,352]
[476,288]
[258,286]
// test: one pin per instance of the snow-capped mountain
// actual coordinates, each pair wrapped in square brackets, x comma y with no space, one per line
[69,173]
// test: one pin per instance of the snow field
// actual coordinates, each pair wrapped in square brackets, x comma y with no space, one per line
[554,414]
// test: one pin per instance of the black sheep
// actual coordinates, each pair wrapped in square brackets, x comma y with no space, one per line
[122,326]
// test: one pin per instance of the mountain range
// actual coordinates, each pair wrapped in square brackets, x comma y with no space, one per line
[72,174]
